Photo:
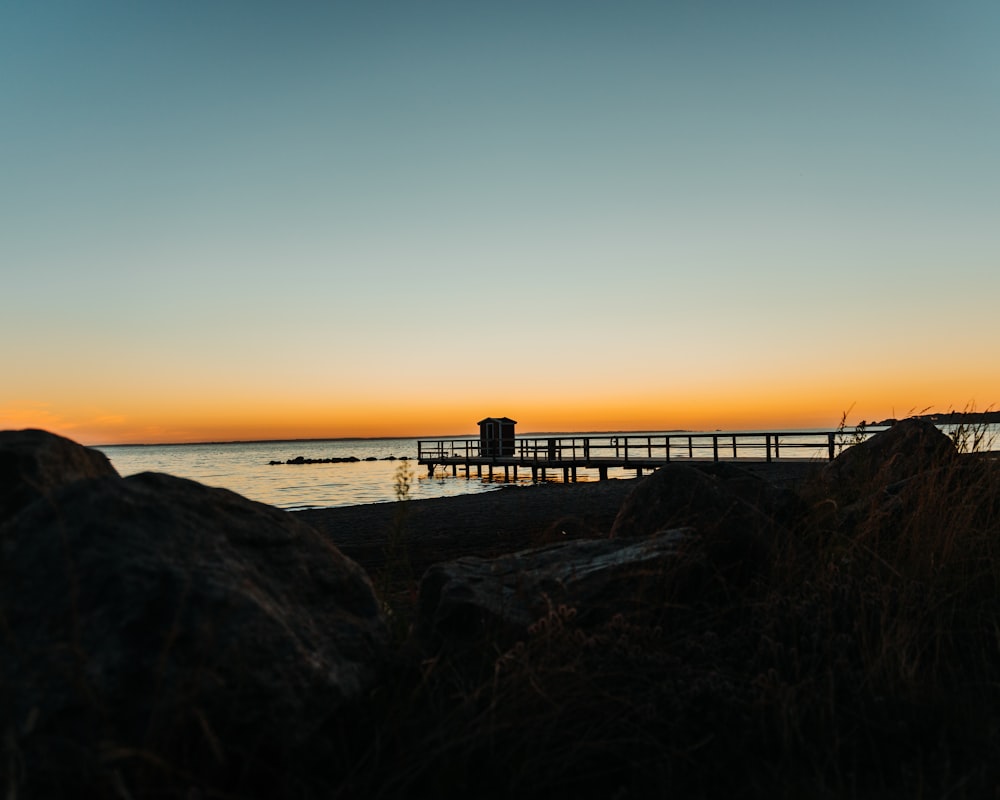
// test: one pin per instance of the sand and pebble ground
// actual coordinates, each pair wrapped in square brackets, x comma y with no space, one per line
[489,524]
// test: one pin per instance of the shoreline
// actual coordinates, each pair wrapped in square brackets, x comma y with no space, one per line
[485,524]
[491,524]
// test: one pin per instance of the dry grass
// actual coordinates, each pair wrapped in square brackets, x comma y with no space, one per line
[865,663]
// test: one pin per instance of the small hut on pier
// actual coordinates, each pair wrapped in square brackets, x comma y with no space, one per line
[496,436]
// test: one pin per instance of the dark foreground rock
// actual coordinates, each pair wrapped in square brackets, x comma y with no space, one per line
[908,448]
[470,602]
[736,517]
[700,632]
[715,498]
[875,485]
[34,464]
[160,632]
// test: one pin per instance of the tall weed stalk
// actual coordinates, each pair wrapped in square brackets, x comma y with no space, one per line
[973,437]
[397,578]
[848,437]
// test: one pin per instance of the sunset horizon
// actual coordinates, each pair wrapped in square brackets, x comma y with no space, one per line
[231,223]
[530,420]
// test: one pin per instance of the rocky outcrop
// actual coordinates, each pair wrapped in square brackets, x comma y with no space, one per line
[469,602]
[154,624]
[336,460]
[871,487]
[717,497]
[734,514]
[34,464]
[908,448]
[331,460]
[683,535]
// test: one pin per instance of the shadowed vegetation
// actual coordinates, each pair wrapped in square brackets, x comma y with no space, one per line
[861,660]
[864,662]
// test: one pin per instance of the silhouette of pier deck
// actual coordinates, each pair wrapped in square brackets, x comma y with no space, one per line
[639,451]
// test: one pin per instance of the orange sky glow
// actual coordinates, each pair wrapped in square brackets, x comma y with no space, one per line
[396,221]
[451,414]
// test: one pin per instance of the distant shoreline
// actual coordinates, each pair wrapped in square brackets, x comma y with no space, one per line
[946,418]
[950,418]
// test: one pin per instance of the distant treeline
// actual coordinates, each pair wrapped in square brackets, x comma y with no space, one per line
[949,418]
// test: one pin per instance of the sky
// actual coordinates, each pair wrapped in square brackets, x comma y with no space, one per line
[230,220]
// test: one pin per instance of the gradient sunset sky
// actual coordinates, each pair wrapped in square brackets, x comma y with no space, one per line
[247,220]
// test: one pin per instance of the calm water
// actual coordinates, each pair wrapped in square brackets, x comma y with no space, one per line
[245,467]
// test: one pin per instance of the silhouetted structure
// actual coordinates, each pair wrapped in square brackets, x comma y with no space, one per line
[496,436]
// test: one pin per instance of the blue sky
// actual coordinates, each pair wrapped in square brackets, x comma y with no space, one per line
[330,218]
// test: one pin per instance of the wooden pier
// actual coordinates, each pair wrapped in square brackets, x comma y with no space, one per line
[639,452]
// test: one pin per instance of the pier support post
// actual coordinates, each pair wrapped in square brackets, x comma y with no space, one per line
[534,474]
[602,473]
[506,473]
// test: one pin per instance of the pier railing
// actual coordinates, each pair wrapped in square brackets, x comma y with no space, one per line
[663,448]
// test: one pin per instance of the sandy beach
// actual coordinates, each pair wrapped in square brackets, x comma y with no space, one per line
[489,524]
[484,524]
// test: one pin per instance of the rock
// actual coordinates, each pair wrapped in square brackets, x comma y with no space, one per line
[705,497]
[155,627]
[331,460]
[469,602]
[903,451]
[34,464]
[734,534]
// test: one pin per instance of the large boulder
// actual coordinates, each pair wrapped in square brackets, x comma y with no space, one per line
[684,536]
[160,633]
[35,463]
[473,605]
[905,450]
[733,512]
[708,497]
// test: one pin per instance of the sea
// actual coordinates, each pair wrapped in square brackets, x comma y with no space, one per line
[248,469]
[384,469]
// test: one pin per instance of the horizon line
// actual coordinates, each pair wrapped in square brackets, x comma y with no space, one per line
[472,436]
